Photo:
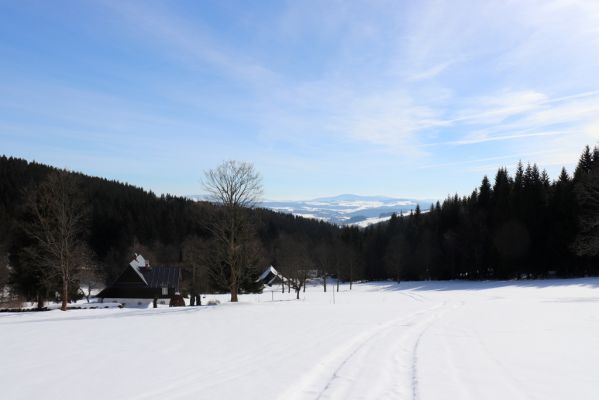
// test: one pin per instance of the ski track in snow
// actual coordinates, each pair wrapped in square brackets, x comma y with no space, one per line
[380,363]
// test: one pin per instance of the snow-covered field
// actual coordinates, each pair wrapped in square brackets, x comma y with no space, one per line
[418,340]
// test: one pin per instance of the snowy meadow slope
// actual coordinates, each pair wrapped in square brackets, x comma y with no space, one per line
[418,340]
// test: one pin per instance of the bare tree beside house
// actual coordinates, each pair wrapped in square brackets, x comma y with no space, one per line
[324,258]
[235,187]
[196,262]
[90,275]
[293,262]
[57,224]
[250,259]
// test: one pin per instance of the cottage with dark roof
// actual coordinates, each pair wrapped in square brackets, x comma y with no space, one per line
[140,284]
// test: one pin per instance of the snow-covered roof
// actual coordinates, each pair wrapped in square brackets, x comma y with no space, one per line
[269,275]
[268,271]
[137,263]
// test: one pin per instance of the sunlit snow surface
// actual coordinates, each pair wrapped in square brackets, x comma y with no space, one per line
[429,340]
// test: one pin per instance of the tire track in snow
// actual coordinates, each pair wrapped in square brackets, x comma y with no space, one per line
[415,365]
[395,353]
[413,296]
[379,363]
[434,319]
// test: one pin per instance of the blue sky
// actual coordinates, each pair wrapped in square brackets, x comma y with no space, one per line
[402,98]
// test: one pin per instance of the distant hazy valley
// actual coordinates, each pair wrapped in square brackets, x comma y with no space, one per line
[346,209]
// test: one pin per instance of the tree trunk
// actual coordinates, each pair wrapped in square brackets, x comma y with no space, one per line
[40,301]
[233,284]
[65,294]
[192,297]
[337,284]
[304,282]
[297,292]
[324,282]
[199,299]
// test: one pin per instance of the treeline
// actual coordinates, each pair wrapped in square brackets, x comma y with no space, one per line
[123,220]
[520,226]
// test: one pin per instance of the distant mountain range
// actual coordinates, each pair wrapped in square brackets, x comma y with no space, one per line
[346,209]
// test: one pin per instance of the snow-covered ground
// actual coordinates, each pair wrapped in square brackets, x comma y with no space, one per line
[369,221]
[418,340]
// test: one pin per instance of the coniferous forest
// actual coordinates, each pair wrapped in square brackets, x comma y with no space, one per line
[513,226]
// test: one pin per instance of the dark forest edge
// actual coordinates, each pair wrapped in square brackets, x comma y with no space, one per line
[523,226]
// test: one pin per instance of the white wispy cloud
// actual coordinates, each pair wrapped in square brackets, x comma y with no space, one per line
[541,116]
[500,106]
[433,39]
[478,161]
[430,72]
[482,138]
[189,41]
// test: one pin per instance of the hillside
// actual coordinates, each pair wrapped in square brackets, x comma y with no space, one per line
[520,226]
[124,219]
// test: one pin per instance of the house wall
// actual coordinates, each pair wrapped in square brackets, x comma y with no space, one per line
[134,303]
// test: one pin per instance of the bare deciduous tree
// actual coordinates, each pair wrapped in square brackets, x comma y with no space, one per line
[293,262]
[235,186]
[351,264]
[339,260]
[196,259]
[57,227]
[325,259]
[90,275]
